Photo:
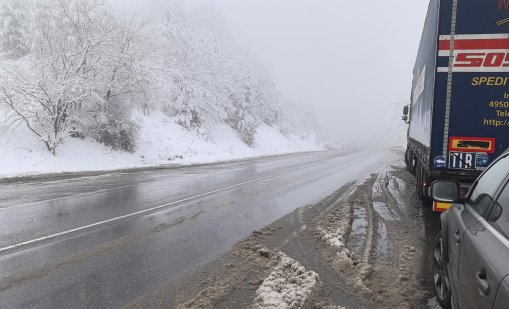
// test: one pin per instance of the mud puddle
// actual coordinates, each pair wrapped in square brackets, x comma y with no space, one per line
[359,232]
[384,249]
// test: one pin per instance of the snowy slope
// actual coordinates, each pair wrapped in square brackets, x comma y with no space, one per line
[160,141]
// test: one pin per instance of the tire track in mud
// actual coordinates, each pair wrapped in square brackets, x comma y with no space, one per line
[398,254]
[383,201]
[348,230]
[387,210]
[380,249]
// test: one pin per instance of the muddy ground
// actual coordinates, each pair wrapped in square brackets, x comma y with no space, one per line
[365,246]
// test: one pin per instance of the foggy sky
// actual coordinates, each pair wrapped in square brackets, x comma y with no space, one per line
[351,60]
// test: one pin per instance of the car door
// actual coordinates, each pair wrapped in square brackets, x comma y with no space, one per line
[483,258]
[459,219]
[483,265]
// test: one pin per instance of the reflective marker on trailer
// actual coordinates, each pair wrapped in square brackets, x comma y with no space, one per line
[437,206]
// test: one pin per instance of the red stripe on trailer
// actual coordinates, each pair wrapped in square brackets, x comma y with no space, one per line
[475,44]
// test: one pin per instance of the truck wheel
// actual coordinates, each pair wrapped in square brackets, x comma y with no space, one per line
[418,177]
[425,191]
[413,163]
[407,158]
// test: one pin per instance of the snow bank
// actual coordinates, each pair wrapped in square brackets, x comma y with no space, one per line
[287,286]
[160,141]
[21,153]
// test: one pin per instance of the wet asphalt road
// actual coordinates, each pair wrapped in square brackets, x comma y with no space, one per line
[103,241]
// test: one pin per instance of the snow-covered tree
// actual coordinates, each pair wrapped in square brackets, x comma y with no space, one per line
[15,24]
[192,68]
[207,82]
[81,67]
[243,116]
[121,83]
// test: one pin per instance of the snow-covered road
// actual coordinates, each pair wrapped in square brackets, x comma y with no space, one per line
[104,241]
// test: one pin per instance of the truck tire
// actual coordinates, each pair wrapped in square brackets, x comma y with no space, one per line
[418,177]
[424,189]
[412,162]
[421,176]
[407,158]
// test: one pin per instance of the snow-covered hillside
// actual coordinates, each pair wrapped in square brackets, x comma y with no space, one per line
[83,89]
[160,141]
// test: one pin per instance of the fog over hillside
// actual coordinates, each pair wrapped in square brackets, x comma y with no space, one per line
[350,61]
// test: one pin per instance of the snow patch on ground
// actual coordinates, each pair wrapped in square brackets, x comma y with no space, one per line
[335,227]
[160,141]
[21,153]
[287,286]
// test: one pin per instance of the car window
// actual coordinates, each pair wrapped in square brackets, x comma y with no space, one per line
[488,185]
[500,213]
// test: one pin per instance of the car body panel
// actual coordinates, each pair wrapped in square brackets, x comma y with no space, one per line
[502,298]
[459,219]
[484,259]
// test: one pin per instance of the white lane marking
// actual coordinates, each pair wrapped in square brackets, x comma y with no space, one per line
[103,190]
[29,242]
[65,197]
[87,193]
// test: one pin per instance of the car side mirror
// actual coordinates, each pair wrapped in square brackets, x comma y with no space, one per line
[495,213]
[445,191]
[405,118]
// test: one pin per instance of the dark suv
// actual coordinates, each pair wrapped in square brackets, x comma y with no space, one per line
[471,253]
